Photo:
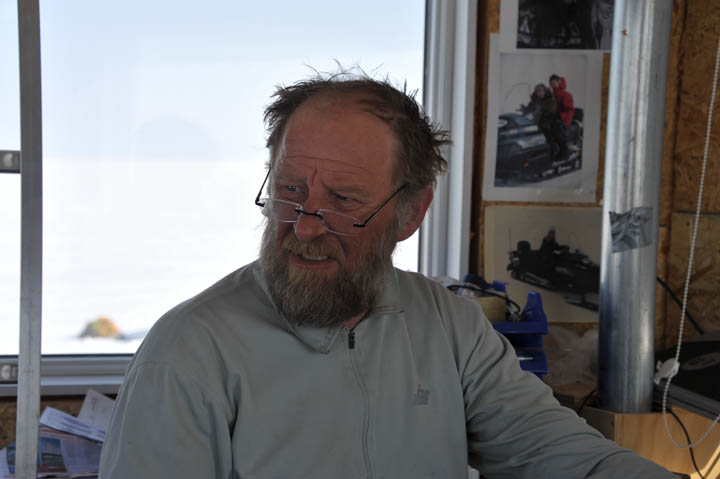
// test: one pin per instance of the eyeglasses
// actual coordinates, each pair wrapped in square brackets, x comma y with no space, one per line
[334,222]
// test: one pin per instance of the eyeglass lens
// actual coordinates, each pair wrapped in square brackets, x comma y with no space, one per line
[288,212]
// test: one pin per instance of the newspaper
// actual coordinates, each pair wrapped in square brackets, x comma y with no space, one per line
[67,446]
[61,455]
[63,421]
[96,409]
[4,468]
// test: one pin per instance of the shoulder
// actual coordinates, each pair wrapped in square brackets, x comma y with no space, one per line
[461,317]
[414,287]
[435,313]
[195,333]
[411,284]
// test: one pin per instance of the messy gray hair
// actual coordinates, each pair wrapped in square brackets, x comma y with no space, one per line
[420,158]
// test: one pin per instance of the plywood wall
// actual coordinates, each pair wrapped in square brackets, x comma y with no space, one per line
[8,412]
[697,52]
[704,291]
[694,36]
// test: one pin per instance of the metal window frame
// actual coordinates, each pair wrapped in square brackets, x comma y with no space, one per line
[63,375]
[449,99]
[28,375]
[9,161]
[28,382]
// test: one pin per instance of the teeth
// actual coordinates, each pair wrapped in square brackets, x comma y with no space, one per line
[314,258]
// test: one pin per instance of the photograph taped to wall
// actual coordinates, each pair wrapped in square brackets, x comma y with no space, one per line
[556,25]
[552,250]
[543,126]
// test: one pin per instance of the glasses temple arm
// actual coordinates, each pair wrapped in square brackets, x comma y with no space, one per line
[257,198]
[365,223]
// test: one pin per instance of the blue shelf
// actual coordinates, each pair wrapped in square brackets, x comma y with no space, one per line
[526,335]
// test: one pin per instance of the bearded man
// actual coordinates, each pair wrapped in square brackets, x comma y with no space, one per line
[320,360]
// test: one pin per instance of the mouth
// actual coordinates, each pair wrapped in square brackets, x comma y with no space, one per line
[315,255]
[312,262]
[312,258]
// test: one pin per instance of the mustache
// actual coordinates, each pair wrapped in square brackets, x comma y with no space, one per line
[315,247]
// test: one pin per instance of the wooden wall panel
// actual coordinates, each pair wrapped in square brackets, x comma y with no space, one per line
[645,434]
[671,111]
[604,90]
[704,293]
[697,50]
[8,410]
[488,22]
[661,325]
[493,16]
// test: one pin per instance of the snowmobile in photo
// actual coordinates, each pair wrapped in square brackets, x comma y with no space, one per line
[555,268]
[524,154]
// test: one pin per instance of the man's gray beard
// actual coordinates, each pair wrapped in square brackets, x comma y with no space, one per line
[305,297]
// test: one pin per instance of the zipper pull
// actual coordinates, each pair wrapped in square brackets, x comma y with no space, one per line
[351,340]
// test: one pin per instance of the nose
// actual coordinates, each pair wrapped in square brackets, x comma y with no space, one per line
[308,227]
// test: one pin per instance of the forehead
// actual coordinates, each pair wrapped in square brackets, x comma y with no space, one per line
[339,137]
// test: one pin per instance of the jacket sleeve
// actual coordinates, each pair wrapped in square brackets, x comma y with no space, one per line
[165,425]
[568,103]
[516,428]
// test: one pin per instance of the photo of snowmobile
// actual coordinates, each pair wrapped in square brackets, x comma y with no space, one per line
[524,152]
[555,268]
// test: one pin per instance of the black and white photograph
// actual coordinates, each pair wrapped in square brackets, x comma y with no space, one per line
[556,24]
[542,127]
[553,251]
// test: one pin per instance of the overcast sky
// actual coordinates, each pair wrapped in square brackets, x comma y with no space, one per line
[141,78]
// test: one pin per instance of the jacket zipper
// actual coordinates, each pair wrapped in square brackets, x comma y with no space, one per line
[366,400]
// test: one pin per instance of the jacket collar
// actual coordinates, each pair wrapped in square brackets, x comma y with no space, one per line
[322,339]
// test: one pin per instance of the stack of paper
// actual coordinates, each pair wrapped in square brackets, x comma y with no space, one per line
[68,446]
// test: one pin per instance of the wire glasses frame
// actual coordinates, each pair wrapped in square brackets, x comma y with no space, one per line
[322,214]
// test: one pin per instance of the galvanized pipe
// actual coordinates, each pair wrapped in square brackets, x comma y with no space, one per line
[633,160]
[28,396]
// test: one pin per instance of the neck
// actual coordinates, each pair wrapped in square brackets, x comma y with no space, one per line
[352,322]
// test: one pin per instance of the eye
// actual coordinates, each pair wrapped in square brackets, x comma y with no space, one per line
[342,198]
[344,203]
[289,192]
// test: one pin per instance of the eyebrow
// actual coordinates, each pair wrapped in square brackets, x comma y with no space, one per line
[287,176]
[344,188]
[347,188]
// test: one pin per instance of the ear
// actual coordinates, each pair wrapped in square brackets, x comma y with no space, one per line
[415,213]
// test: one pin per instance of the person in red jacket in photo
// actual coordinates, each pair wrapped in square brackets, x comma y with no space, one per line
[563,98]
[566,110]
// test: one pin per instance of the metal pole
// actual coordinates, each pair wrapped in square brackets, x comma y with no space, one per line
[28,397]
[448,91]
[439,47]
[636,112]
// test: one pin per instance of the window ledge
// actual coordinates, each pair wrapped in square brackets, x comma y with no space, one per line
[70,375]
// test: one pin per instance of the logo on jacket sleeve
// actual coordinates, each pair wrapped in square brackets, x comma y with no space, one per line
[421,396]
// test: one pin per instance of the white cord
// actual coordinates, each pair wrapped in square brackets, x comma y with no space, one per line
[690,263]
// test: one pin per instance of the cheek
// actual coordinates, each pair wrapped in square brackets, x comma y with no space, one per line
[349,246]
[359,247]
[282,230]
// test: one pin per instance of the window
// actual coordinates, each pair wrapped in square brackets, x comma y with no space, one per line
[9,183]
[153,146]
[152,140]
